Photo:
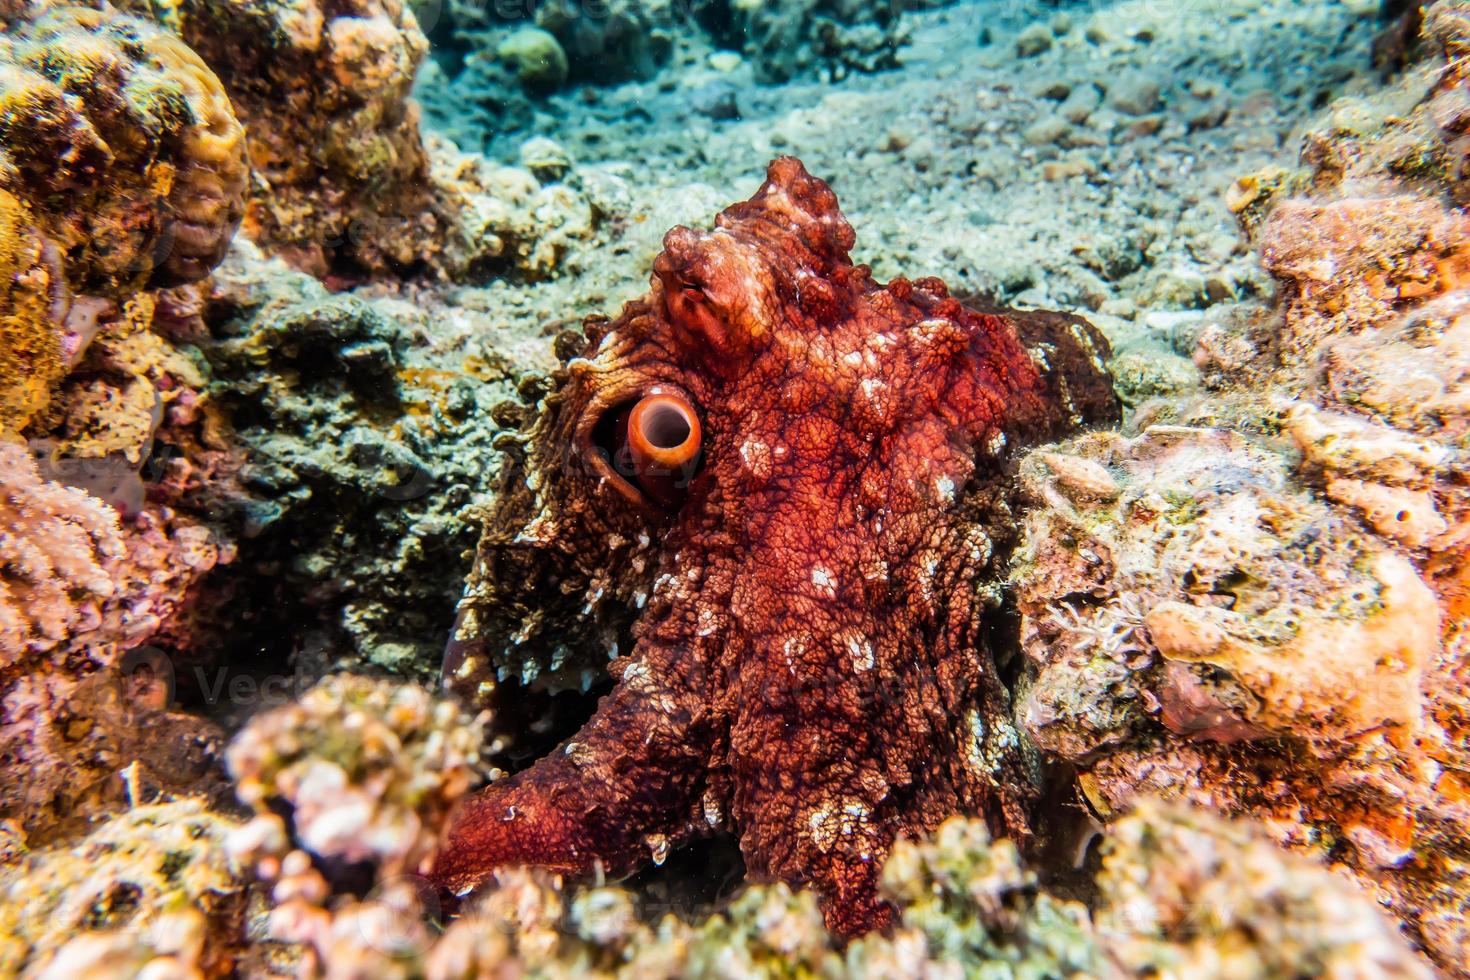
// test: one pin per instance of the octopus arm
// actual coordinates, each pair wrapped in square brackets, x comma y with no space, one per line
[625,789]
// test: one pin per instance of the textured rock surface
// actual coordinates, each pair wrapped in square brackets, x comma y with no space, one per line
[122,166]
[80,696]
[332,138]
[1176,891]
[125,146]
[365,440]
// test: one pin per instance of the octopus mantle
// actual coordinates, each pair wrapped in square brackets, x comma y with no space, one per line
[802,617]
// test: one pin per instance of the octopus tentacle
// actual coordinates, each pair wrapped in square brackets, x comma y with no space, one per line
[600,800]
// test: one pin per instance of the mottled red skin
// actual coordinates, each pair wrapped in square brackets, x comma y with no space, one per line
[809,669]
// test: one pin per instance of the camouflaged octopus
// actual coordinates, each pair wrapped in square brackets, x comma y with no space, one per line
[774,492]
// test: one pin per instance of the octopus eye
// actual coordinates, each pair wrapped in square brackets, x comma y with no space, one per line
[655,444]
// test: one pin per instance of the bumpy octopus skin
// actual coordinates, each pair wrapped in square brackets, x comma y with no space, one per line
[809,666]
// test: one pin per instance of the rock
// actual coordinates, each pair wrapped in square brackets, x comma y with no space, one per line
[1134,93]
[547,159]
[725,61]
[1047,131]
[717,100]
[536,56]
[1033,41]
[1080,103]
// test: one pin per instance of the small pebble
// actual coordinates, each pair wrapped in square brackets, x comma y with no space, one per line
[1033,41]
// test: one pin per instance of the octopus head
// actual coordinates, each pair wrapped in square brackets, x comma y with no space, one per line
[653,385]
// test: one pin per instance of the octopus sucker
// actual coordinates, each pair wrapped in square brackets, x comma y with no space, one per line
[813,457]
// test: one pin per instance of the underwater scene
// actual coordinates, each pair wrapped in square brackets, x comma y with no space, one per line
[735,488]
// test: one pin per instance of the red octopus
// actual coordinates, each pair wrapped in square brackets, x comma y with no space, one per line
[785,482]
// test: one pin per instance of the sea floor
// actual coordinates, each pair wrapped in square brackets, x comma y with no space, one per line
[1078,157]
[1089,175]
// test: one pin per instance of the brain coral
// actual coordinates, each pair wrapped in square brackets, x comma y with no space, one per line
[124,145]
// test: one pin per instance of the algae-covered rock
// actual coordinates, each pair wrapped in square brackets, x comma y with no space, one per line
[33,301]
[1226,603]
[150,892]
[334,140]
[122,167]
[364,445]
[536,56]
[787,40]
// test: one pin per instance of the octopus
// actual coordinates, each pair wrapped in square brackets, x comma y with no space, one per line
[775,493]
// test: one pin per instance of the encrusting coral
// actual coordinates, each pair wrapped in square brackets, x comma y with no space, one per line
[80,697]
[344,184]
[1183,893]
[32,305]
[122,166]
[59,552]
[151,892]
[354,783]
[1179,892]
[332,136]
[123,144]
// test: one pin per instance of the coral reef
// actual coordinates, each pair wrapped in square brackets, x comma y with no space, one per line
[1178,892]
[151,892]
[1182,893]
[125,147]
[61,550]
[1253,598]
[332,136]
[365,771]
[1266,620]
[122,171]
[1215,595]
[344,184]
[841,516]
[368,772]
[32,305]
[81,698]
[122,166]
